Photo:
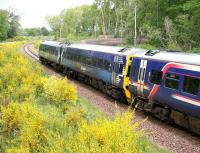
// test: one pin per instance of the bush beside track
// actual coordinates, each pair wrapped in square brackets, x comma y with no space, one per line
[39,113]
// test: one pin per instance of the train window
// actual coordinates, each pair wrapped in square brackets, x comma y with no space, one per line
[107,65]
[172,81]
[68,55]
[100,63]
[83,59]
[156,77]
[76,58]
[191,85]
[94,61]
[73,57]
[80,58]
[120,68]
[88,60]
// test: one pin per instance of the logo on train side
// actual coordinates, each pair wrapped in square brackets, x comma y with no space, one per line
[83,68]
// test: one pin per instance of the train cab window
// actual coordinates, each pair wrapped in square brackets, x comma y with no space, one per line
[121,68]
[191,85]
[172,81]
[156,77]
[107,65]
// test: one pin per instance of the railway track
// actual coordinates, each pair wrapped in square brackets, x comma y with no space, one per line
[29,52]
[171,137]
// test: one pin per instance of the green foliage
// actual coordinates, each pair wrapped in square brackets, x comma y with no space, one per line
[36,32]
[9,24]
[73,23]
[3,24]
[18,38]
[37,43]
[13,25]
[146,46]
[159,22]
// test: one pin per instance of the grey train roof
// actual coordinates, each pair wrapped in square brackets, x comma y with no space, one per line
[99,48]
[178,57]
[52,43]
[108,49]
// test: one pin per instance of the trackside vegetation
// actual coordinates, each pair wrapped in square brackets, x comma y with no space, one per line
[42,114]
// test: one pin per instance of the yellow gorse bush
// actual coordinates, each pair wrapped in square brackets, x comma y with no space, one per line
[27,121]
[59,91]
[24,82]
[105,136]
[20,79]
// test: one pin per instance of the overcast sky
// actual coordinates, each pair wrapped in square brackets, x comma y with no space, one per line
[33,12]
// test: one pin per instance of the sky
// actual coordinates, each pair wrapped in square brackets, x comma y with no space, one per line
[33,12]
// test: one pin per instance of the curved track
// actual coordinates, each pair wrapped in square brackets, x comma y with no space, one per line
[171,137]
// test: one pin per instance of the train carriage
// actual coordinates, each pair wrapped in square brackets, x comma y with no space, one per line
[167,84]
[50,51]
[105,67]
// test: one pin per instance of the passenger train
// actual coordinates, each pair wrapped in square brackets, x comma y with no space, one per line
[162,83]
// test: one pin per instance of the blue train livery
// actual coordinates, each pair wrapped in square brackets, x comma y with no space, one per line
[167,84]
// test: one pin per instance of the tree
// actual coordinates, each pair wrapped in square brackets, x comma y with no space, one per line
[44,31]
[3,24]
[159,23]
[55,23]
[13,25]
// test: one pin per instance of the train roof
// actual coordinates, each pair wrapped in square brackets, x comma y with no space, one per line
[52,43]
[108,49]
[171,56]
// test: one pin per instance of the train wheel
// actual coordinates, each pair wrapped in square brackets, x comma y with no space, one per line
[161,113]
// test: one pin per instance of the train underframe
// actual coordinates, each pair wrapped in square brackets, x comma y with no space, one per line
[168,114]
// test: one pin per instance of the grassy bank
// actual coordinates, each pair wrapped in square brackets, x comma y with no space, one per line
[39,113]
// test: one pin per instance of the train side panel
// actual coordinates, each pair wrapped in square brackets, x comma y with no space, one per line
[106,67]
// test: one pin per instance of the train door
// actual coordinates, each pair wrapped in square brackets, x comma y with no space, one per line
[118,69]
[60,53]
[141,77]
